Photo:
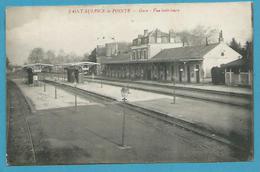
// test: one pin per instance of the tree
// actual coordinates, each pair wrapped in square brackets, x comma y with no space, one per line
[49,57]
[60,58]
[235,45]
[36,56]
[73,57]
[93,56]
[200,35]
[246,51]
[249,53]
[7,63]
[85,57]
[185,37]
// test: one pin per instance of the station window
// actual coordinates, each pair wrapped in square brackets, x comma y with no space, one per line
[145,54]
[142,54]
[139,41]
[133,56]
[159,40]
[145,41]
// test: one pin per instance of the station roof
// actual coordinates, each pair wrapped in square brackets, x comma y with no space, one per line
[184,53]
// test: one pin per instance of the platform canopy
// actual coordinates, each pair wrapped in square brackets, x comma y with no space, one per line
[82,66]
[37,67]
[79,65]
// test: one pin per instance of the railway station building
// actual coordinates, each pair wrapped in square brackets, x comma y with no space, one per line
[161,56]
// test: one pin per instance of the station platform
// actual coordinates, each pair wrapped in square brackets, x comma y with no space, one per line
[232,122]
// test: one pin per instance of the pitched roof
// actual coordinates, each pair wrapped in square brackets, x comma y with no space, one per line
[157,31]
[237,63]
[154,33]
[183,53]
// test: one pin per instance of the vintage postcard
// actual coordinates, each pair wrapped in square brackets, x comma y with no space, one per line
[135,83]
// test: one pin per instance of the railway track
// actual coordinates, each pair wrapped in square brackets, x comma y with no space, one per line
[224,97]
[20,147]
[176,86]
[156,115]
[231,98]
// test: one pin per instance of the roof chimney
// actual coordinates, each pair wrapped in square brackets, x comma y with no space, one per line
[171,32]
[158,33]
[171,36]
[220,38]
[145,32]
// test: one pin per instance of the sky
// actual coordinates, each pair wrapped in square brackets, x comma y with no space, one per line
[80,29]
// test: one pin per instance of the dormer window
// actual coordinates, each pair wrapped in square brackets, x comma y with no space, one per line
[222,54]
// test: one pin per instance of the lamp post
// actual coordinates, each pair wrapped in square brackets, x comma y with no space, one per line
[76,102]
[173,91]
[184,70]
[124,94]
[44,85]
[99,72]
[55,87]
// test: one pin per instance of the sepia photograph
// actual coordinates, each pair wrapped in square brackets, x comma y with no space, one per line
[129,83]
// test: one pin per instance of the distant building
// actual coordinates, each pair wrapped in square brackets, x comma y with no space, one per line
[112,49]
[162,56]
